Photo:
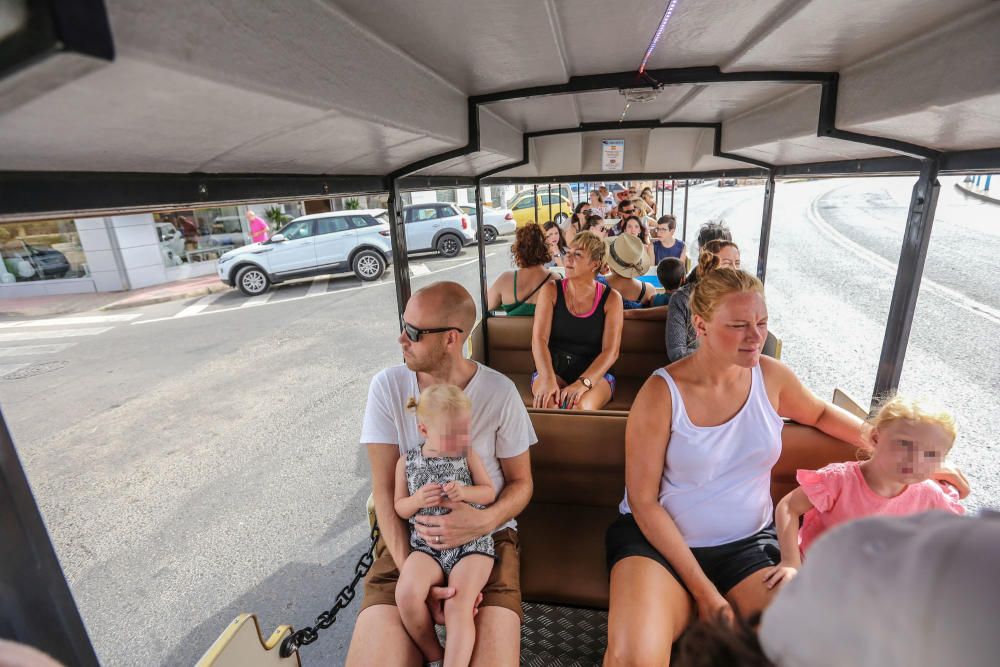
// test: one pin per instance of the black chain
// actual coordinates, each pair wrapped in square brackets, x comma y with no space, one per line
[307,635]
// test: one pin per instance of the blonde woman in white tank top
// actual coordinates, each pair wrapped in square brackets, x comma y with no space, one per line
[702,436]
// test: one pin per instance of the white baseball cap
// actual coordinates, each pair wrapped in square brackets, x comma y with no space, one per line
[893,592]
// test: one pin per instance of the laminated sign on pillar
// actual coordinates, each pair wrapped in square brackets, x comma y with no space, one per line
[612,154]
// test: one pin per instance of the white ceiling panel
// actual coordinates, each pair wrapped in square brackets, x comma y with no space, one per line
[111,120]
[535,114]
[829,36]
[479,47]
[719,102]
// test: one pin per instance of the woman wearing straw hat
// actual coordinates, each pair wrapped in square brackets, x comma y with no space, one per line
[627,259]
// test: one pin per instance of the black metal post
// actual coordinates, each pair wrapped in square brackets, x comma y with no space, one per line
[684,229]
[534,192]
[916,238]
[673,189]
[550,201]
[397,238]
[36,606]
[765,227]
[482,267]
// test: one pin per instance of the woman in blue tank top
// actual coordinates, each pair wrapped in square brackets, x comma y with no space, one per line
[696,528]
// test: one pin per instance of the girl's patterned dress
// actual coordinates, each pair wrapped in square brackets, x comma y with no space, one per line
[441,470]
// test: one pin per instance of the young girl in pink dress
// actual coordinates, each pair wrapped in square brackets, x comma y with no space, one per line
[909,442]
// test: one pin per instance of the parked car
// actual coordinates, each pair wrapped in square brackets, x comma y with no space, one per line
[437,226]
[523,207]
[727,182]
[34,261]
[496,222]
[227,230]
[317,244]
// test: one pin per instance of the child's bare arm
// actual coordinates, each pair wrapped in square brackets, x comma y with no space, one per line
[786,519]
[404,502]
[428,495]
[481,491]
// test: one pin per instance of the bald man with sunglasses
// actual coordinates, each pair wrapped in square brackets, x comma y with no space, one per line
[436,323]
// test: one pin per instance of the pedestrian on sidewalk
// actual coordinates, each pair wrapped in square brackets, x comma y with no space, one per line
[258,228]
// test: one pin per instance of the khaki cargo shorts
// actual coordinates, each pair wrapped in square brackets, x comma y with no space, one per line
[503,588]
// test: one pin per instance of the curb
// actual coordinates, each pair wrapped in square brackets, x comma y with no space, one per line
[978,195]
[163,298]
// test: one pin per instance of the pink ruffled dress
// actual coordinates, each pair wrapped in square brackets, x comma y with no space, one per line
[840,493]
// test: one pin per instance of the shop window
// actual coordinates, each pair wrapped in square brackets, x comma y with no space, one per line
[41,250]
[196,235]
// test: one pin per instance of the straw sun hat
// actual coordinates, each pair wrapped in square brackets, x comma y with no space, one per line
[627,256]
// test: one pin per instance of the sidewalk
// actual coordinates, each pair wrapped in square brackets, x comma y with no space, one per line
[992,195]
[48,306]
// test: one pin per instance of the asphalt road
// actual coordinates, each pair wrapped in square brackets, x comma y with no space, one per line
[198,459]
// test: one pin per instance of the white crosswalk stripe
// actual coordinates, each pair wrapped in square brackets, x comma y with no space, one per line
[258,300]
[200,305]
[18,356]
[70,321]
[318,286]
[53,333]
[30,350]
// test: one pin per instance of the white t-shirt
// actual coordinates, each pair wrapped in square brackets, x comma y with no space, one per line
[500,425]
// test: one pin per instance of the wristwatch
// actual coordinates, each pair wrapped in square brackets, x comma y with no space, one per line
[587,383]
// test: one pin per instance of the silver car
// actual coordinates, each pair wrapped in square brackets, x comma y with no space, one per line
[496,221]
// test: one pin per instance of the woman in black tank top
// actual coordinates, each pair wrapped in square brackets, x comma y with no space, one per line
[577,333]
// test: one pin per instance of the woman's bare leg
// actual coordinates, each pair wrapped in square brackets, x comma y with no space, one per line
[751,596]
[596,398]
[467,578]
[648,611]
[418,574]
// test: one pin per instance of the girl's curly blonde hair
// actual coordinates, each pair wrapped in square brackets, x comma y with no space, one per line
[437,400]
[895,407]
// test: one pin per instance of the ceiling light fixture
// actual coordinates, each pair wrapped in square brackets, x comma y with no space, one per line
[656,36]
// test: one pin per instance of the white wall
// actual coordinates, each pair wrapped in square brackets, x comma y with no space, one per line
[140,249]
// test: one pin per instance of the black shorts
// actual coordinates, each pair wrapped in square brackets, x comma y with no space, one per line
[725,565]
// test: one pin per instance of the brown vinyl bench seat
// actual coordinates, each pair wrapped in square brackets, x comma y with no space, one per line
[578,468]
[643,350]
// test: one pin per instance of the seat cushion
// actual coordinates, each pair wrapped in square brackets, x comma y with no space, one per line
[562,554]
[625,391]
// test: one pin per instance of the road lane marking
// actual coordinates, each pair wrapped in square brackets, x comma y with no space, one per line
[26,350]
[258,300]
[70,321]
[318,286]
[957,298]
[56,333]
[200,305]
[304,296]
[419,270]
[6,369]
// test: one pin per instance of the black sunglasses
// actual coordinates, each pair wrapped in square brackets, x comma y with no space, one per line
[414,333]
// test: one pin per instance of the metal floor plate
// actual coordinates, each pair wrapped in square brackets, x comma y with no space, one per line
[562,636]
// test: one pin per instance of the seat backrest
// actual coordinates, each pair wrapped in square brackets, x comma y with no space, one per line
[643,347]
[578,468]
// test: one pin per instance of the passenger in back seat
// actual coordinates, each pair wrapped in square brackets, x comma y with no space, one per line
[696,525]
[577,333]
[530,253]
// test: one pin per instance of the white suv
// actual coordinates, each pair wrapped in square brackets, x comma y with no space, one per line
[312,245]
[437,226]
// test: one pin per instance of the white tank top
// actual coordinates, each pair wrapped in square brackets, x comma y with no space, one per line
[716,482]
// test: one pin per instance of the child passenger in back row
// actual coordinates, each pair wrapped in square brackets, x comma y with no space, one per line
[444,466]
[670,272]
[909,442]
